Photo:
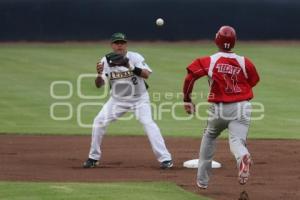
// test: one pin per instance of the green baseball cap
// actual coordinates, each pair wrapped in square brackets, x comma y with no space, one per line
[118,37]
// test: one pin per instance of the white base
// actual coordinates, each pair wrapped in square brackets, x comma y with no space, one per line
[194,164]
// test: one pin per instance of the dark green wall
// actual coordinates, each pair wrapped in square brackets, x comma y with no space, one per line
[56,20]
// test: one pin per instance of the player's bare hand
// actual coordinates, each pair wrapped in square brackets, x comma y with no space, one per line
[189,107]
[100,67]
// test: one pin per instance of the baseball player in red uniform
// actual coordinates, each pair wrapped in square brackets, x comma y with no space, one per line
[231,79]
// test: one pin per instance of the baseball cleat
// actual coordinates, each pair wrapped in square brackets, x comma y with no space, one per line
[90,163]
[167,164]
[201,186]
[244,169]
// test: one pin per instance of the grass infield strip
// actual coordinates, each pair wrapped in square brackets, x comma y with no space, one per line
[103,191]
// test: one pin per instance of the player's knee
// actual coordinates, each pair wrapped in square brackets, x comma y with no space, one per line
[100,121]
[146,121]
[211,132]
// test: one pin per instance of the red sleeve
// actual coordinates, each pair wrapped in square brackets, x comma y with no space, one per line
[195,70]
[188,87]
[253,77]
[197,67]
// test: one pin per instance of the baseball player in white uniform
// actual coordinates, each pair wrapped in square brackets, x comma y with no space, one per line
[126,72]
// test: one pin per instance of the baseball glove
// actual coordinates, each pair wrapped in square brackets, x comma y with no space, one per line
[115,59]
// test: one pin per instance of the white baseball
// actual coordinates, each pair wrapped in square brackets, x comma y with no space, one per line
[160,22]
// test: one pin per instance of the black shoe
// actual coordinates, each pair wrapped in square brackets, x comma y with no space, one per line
[90,163]
[167,164]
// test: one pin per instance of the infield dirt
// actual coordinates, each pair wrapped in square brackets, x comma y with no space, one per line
[274,175]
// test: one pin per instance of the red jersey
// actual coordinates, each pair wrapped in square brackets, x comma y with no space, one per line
[231,77]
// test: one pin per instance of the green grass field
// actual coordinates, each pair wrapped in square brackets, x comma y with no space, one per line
[80,191]
[27,71]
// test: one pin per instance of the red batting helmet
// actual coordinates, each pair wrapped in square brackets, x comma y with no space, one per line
[225,38]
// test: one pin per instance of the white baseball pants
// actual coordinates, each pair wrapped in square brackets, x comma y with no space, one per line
[112,110]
